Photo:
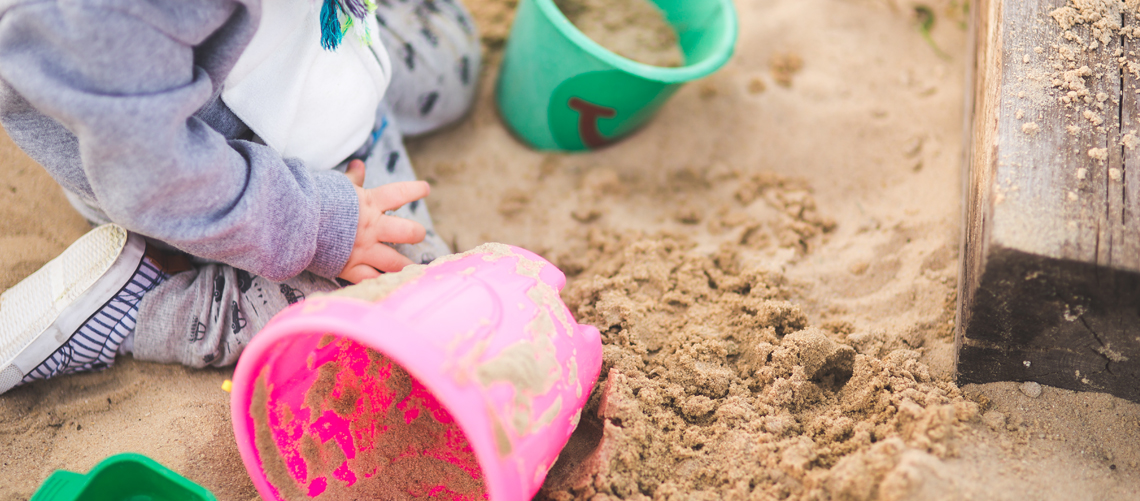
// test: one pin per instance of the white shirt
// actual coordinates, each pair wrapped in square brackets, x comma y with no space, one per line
[302,100]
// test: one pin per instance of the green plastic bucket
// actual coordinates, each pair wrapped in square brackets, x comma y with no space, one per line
[559,90]
[122,477]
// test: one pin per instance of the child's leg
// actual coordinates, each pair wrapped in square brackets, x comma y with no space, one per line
[73,314]
[435,54]
[206,315]
[113,292]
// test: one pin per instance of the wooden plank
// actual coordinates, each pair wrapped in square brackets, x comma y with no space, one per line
[1050,282]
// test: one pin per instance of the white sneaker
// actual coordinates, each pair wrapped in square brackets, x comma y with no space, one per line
[72,314]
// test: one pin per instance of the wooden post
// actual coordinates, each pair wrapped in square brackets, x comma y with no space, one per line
[1049,289]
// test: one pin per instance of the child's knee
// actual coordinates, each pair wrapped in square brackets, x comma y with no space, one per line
[436,56]
[206,316]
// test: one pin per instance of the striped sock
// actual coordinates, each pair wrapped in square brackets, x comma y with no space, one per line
[94,344]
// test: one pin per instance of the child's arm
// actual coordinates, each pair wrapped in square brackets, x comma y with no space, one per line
[103,94]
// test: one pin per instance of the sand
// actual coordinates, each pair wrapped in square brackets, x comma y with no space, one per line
[634,29]
[1059,77]
[717,385]
[825,213]
[414,449]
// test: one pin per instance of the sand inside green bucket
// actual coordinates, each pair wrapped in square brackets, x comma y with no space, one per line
[634,29]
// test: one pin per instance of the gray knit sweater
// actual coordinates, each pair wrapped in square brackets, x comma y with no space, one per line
[119,101]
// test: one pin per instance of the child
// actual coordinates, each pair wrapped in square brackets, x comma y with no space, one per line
[239,154]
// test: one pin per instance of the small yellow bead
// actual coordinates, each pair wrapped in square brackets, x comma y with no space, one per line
[227,386]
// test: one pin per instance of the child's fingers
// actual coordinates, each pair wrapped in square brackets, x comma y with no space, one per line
[355,173]
[368,262]
[401,231]
[385,258]
[359,273]
[394,195]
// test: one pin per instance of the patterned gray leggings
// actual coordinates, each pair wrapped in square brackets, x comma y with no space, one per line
[206,315]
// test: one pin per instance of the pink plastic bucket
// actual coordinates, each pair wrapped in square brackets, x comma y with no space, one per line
[499,372]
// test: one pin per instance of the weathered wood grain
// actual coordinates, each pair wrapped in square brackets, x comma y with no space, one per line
[1050,282]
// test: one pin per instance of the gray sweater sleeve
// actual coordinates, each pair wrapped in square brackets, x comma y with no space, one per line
[125,78]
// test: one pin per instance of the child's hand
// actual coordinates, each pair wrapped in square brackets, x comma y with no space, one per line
[370,255]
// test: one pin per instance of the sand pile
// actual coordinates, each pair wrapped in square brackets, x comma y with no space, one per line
[716,386]
[634,29]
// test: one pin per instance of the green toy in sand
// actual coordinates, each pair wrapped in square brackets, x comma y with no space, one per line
[122,477]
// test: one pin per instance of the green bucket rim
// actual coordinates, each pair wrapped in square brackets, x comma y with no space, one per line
[156,468]
[63,484]
[720,56]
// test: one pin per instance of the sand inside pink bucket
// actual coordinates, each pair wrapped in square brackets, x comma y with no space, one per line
[400,442]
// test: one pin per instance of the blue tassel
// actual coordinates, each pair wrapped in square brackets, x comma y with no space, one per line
[331,34]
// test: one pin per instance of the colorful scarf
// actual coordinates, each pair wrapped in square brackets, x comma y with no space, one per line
[339,16]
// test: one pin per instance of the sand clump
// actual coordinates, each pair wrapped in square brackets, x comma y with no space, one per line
[1090,30]
[715,386]
[493,18]
[634,29]
[406,445]
[784,66]
[1102,16]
